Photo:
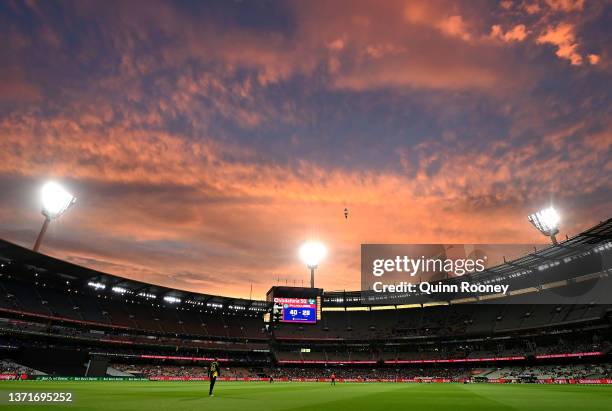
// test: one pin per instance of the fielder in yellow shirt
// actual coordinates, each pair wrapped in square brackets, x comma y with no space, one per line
[214,371]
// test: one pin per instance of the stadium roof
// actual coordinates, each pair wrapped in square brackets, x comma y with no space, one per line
[44,265]
[534,262]
[566,249]
[52,268]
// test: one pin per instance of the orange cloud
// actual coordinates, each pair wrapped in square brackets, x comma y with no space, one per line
[414,44]
[565,5]
[517,33]
[246,218]
[532,8]
[337,44]
[361,46]
[454,26]
[594,59]
[564,37]
[171,146]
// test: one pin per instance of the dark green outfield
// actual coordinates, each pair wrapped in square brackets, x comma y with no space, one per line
[254,396]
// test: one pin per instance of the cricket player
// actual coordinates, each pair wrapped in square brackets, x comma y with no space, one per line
[213,372]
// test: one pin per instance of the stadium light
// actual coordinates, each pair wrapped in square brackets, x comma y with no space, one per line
[97,286]
[146,295]
[55,201]
[547,222]
[311,254]
[172,300]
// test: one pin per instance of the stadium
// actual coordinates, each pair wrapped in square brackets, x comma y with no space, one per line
[66,325]
[312,205]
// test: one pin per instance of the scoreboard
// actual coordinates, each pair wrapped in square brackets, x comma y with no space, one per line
[297,310]
[295,304]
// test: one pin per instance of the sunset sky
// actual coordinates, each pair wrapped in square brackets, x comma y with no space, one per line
[206,141]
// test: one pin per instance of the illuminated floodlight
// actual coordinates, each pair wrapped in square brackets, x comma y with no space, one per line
[119,290]
[547,222]
[311,253]
[172,300]
[55,201]
[97,286]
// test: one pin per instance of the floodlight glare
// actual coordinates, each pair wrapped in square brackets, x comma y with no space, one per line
[55,201]
[311,254]
[547,221]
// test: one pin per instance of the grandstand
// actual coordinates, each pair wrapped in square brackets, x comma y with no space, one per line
[148,331]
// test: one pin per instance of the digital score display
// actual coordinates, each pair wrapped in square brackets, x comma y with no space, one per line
[294,305]
[296,310]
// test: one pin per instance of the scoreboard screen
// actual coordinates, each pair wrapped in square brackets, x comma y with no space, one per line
[296,310]
[297,305]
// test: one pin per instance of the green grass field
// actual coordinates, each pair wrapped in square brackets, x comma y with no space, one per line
[253,396]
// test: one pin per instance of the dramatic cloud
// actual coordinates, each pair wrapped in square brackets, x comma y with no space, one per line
[564,37]
[206,141]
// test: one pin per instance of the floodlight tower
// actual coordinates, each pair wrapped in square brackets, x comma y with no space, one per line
[55,201]
[547,221]
[311,254]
